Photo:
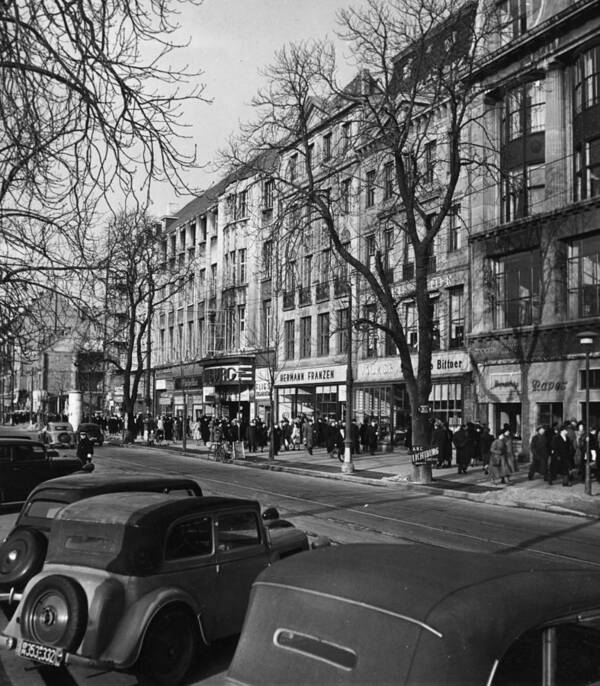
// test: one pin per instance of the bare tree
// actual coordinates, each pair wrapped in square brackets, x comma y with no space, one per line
[90,106]
[406,121]
[135,281]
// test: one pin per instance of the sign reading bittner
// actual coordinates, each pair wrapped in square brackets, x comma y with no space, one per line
[424,455]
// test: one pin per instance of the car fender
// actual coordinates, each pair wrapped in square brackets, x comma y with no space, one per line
[125,647]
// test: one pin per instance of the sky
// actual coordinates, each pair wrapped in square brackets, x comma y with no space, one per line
[230,41]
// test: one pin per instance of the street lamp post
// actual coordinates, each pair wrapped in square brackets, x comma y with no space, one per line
[586,340]
[347,464]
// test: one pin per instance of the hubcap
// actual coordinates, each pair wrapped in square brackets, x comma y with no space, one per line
[49,618]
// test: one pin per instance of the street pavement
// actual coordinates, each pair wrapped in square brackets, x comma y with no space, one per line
[395,470]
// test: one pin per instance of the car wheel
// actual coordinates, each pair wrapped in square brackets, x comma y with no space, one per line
[169,647]
[55,612]
[64,438]
[21,557]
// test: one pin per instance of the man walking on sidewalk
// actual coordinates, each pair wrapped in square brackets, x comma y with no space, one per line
[539,454]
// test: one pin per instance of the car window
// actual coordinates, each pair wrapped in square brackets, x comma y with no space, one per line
[22,453]
[189,538]
[237,530]
[179,492]
[61,427]
[44,509]
[574,649]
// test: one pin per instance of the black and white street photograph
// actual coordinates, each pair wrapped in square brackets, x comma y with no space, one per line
[299,342]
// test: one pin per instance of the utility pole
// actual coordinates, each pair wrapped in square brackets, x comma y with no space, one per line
[347,464]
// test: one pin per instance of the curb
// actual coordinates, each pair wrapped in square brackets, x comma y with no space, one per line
[381,483]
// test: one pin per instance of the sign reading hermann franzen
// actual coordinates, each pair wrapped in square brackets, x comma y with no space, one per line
[311,375]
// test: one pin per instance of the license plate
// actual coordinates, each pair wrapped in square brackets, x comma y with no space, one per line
[41,653]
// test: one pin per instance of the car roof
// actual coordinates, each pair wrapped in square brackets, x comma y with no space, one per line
[442,602]
[91,484]
[145,510]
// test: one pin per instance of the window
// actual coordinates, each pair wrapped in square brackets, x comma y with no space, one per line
[267,259]
[584,277]
[326,146]
[371,188]
[241,325]
[268,194]
[345,136]
[517,289]
[408,253]
[293,167]
[345,196]
[237,530]
[549,413]
[266,322]
[411,331]
[456,317]
[429,161]
[306,271]
[524,191]
[455,238]
[242,265]
[435,323]
[342,331]
[323,334]
[189,538]
[305,336]
[388,180]
[200,347]
[242,205]
[371,338]
[587,169]
[289,336]
[587,79]
[517,17]
[524,111]
[370,248]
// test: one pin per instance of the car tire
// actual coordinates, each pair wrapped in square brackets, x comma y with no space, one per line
[22,556]
[169,647]
[55,613]
[64,438]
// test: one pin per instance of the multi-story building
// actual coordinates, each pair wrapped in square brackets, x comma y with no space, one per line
[535,230]
[210,336]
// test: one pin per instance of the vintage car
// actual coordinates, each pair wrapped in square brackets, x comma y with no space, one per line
[142,580]
[418,614]
[23,551]
[25,463]
[94,432]
[57,435]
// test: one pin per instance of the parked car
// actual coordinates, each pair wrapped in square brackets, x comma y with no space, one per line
[25,463]
[417,614]
[23,551]
[94,432]
[142,580]
[57,435]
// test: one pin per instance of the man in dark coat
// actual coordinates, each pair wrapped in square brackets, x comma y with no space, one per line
[460,443]
[439,440]
[562,457]
[85,448]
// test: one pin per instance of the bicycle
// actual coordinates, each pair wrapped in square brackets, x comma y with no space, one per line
[220,453]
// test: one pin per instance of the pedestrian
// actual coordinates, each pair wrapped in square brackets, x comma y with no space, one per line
[510,457]
[439,440]
[355,436]
[334,439]
[498,470]
[486,439]
[85,448]
[562,457]
[296,437]
[252,438]
[308,435]
[460,443]
[539,454]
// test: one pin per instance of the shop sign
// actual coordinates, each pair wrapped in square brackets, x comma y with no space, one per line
[539,385]
[228,375]
[262,384]
[311,375]
[161,384]
[423,456]
[188,382]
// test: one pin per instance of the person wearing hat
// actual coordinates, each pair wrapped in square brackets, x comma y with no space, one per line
[85,448]
[562,456]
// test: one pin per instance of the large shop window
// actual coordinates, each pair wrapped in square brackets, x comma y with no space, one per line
[587,79]
[446,402]
[584,277]
[549,414]
[517,289]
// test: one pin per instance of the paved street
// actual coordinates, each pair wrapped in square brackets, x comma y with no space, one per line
[361,507]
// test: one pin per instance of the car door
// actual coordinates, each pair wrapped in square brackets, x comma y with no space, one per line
[241,556]
[189,563]
[26,467]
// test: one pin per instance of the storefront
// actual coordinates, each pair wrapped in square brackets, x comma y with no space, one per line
[227,387]
[262,396]
[313,391]
[525,396]
[380,392]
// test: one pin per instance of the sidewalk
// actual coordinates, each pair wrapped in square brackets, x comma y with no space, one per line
[395,470]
